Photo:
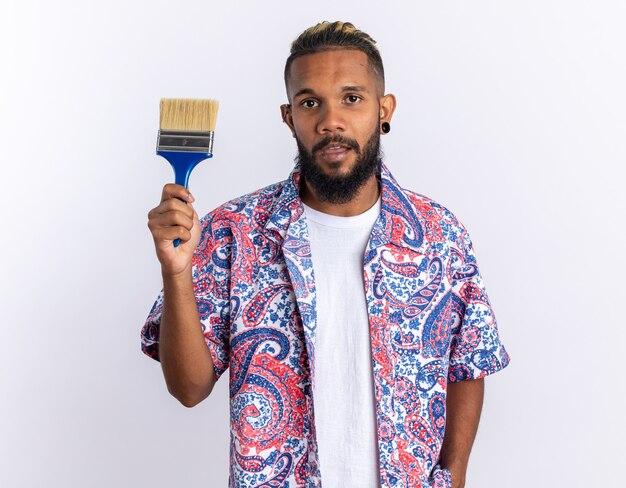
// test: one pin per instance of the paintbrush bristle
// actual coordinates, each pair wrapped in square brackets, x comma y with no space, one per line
[188,114]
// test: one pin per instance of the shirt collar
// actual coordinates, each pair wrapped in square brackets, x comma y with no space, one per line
[397,223]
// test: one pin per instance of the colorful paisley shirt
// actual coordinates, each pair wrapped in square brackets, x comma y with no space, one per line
[430,320]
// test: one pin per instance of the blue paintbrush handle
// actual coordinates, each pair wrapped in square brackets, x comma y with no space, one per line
[183,163]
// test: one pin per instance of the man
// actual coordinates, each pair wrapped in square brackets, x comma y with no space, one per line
[350,311]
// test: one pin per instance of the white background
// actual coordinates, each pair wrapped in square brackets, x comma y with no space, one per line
[512,114]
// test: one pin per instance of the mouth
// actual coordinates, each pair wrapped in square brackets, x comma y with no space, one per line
[334,152]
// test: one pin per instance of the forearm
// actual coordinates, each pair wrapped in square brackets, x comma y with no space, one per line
[463,406]
[184,355]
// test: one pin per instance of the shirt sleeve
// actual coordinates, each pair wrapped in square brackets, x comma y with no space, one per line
[476,349]
[211,281]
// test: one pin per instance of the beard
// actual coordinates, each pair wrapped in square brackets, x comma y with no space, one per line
[340,189]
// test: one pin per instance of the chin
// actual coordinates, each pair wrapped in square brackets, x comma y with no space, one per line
[332,168]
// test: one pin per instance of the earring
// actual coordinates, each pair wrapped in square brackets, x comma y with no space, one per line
[385,127]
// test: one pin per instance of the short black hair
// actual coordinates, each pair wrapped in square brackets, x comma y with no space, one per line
[327,36]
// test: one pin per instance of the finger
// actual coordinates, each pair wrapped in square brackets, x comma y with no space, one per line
[170,219]
[174,205]
[172,190]
[171,234]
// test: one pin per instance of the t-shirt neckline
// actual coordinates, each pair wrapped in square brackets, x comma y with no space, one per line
[366,218]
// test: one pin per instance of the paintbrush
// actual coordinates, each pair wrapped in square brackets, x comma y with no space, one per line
[187,128]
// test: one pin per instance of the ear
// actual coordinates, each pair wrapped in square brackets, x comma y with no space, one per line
[285,112]
[387,107]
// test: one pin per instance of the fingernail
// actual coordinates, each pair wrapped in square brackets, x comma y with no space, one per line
[191,198]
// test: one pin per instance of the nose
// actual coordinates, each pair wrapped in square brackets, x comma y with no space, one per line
[331,120]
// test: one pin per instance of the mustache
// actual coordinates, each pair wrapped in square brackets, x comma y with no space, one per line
[338,139]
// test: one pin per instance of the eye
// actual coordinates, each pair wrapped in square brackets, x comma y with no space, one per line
[353,98]
[309,103]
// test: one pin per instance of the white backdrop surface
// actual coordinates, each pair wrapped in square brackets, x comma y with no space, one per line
[512,114]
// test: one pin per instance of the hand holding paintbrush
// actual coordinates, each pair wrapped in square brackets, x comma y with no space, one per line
[187,127]
[174,219]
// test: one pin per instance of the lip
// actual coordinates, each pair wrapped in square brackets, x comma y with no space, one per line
[334,152]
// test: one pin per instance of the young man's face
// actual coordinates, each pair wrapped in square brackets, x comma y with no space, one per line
[336,108]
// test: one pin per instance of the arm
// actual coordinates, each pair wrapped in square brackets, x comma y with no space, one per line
[463,405]
[185,359]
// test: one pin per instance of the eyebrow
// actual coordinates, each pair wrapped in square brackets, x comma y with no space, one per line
[347,88]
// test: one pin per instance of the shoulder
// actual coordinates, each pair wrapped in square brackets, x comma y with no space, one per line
[438,222]
[234,223]
[249,209]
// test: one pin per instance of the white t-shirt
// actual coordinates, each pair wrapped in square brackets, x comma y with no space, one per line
[344,402]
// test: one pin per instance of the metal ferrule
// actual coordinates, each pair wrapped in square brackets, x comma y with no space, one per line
[186,141]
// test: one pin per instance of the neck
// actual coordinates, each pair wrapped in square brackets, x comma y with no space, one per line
[363,200]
